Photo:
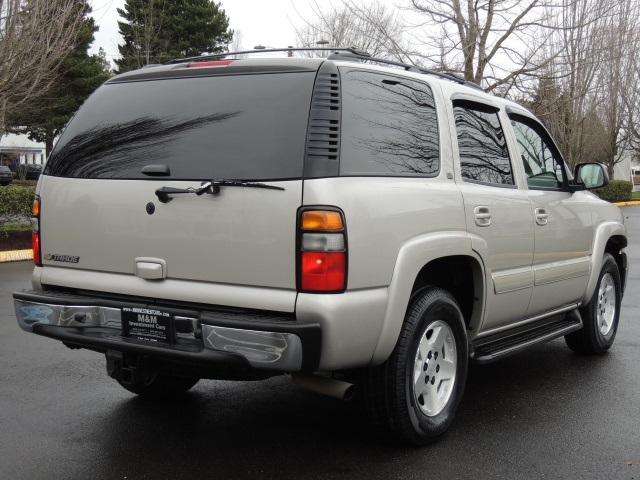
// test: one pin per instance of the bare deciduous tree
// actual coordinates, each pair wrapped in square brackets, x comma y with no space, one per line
[236,45]
[490,42]
[565,98]
[495,43]
[618,87]
[35,35]
[372,27]
[633,106]
[586,97]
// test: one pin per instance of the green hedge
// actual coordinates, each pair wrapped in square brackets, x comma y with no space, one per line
[15,204]
[616,191]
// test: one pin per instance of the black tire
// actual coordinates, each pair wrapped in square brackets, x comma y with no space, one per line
[162,386]
[600,316]
[394,408]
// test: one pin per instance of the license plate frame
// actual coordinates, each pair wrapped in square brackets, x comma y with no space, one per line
[147,324]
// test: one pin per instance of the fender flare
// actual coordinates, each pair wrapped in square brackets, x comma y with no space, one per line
[412,257]
[603,233]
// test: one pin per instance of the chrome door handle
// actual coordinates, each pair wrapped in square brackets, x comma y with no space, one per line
[483,216]
[542,218]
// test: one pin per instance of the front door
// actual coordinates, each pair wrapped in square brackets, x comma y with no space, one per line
[563,226]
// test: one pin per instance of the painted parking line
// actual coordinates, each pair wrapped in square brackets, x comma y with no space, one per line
[16,255]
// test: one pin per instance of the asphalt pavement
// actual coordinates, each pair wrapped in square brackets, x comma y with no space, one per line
[545,413]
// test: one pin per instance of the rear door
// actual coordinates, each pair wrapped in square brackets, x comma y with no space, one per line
[99,200]
[498,213]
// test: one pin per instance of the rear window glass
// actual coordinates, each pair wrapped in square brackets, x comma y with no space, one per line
[248,127]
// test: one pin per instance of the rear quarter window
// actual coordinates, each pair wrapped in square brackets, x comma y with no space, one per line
[389,126]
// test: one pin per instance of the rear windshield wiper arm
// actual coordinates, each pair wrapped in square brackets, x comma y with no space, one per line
[163,193]
[212,187]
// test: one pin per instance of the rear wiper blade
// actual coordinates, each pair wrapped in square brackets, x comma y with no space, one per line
[227,182]
[212,187]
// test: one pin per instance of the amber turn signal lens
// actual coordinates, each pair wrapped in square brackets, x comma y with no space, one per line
[321,220]
[35,210]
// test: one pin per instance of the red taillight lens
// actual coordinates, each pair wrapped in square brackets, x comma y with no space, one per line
[212,63]
[322,243]
[323,271]
[35,245]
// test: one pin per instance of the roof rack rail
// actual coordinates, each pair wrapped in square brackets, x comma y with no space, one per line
[202,58]
[337,53]
[407,66]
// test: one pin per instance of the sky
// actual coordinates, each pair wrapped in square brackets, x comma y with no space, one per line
[261,22]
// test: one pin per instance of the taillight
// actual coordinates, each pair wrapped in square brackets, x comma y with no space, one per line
[322,243]
[35,234]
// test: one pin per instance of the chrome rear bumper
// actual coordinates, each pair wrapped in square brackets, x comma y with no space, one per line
[261,341]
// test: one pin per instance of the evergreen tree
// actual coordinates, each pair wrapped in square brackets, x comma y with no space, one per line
[156,31]
[80,75]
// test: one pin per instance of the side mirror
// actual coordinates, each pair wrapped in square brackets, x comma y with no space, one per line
[591,175]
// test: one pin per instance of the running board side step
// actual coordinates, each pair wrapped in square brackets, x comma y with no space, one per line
[489,349]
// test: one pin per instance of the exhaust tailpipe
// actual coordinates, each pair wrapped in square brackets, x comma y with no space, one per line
[325,385]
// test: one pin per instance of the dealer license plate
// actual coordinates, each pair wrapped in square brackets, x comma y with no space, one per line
[147,324]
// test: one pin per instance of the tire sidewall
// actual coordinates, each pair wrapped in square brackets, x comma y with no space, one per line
[443,308]
[608,266]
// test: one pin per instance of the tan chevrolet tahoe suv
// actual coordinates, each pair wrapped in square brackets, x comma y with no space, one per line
[351,222]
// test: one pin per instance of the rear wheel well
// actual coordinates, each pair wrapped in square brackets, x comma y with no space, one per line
[460,276]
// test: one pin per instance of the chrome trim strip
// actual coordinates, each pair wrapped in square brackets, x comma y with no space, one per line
[557,272]
[513,280]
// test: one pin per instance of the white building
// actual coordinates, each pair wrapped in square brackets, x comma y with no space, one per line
[18,148]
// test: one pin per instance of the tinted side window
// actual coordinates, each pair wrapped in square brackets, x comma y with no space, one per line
[483,150]
[542,166]
[249,127]
[389,126]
